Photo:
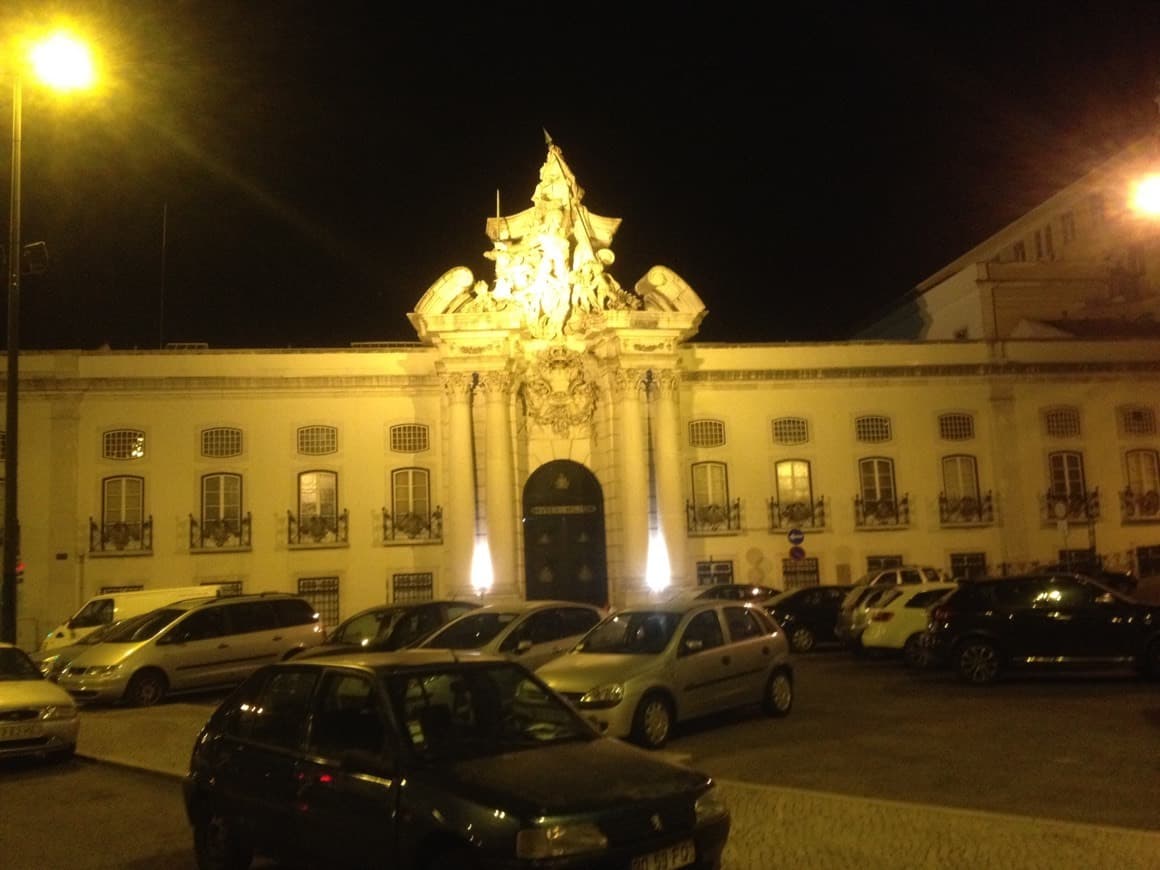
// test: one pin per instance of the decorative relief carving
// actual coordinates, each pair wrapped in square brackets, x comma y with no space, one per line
[557,391]
[626,381]
[457,385]
[668,382]
[496,383]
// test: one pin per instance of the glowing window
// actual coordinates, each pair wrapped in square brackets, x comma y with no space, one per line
[124,444]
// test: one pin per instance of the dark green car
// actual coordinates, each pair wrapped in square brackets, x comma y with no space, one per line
[435,759]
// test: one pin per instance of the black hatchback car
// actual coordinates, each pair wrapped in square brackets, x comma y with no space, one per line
[434,760]
[1041,620]
[808,614]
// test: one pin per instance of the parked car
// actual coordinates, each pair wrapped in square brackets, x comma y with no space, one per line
[1122,581]
[808,614]
[854,614]
[37,717]
[897,621]
[55,659]
[1053,620]
[190,645]
[645,668]
[434,760]
[390,626]
[531,631]
[851,615]
[737,592]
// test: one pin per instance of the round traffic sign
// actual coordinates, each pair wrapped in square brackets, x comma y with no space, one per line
[796,536]
[797,553]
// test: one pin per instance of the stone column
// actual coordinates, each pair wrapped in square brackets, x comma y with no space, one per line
[629,387]
[459,468]
[667,464]
[502,499]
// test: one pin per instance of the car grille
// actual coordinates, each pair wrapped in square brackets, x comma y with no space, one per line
[642,823]
[21,715]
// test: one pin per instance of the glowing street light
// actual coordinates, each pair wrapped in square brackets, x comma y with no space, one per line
[1146,196]
[62,63]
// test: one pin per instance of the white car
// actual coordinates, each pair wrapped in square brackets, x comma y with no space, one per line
[898,620]
[645,668]
[37,717]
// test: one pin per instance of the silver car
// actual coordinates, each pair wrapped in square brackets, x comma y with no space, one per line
[645,668]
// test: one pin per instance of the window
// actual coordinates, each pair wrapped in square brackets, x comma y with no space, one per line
[124,444]
[879,563]
[1061,422]
[277,712]
[872,428]
[790,430]
[1066,472]
[221,501]
[1137,420]
[960,479]
[1019,252]
[252,616]
[742,624]
[322,593]
[800,572]
[956,427]
[200,625]
[1143,469]
[1067,223]
[968,566]
[221,442]
[703,632]
[876,479]
[318,499]
[413,587]
[793,483]
[706,433]
[711,492]
[348,718]
[409,438]
[317,440]
[411,499]
[712,573]
[1044,249]
[123,506]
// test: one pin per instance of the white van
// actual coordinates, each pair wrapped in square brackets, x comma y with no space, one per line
[111,606]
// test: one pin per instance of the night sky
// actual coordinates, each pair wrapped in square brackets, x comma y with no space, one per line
[282,173]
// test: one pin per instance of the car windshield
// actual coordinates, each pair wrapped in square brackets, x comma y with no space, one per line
[471,631]
[644,632]
[141,627]
[100,634]
[364,628]
[16,665]
[466,711]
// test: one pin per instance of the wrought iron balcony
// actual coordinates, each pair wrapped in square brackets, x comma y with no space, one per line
[413,527]
[1079,507]
[709,519]
[883,513]
[797,514]
[121,537]
[965,510]
[317,531]
[1139,507]
[219,534]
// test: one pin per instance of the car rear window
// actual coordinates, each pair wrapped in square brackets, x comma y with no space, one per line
[294,611]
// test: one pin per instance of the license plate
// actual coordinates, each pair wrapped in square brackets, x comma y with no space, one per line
[681,855]
[19,732]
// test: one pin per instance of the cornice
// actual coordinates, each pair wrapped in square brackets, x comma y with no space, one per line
[985,370]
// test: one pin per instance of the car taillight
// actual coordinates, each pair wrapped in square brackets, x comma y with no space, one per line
[881,616]
[941,613]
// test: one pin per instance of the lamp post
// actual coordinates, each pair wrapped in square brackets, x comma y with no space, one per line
[65,64]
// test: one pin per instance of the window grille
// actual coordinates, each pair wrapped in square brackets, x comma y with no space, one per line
[878,563]
[317,440]
[790,430]
[221,441]
[872,428]
[706,433]
[322,593]
[712,573]
[124,444]
[413,587]
[968,566]
[226,587]
[800,572]
[409,438]
[1137,420]
[956,427]
[1061,422]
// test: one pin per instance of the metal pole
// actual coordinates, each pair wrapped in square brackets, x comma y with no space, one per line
[12,407]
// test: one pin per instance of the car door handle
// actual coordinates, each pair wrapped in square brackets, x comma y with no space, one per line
[223,645]
[277,638]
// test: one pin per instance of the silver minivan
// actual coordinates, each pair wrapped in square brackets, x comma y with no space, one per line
[191,645]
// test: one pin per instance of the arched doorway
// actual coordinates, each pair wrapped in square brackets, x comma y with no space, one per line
[564,550]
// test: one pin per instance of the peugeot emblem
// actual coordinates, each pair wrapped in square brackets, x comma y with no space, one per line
[657,824]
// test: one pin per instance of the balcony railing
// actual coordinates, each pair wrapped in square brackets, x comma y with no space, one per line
[121,537]
[882,513]
[413,527]
[219,534]
[1139,507]
[797,514]
[708,519]
[317,531]
[1077,507]
[965,510]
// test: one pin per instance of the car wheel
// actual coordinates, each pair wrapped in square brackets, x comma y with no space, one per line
[913,652]
[146,688]
[978,662]
[218,846]
[778,699]
[652,722]
[802,639]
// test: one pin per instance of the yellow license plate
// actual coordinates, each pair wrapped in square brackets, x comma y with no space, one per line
[681,855]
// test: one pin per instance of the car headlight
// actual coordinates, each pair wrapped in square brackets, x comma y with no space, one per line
[58,711]
[47,665]
[711,806]
[101,670]
[555,841]
[603,696]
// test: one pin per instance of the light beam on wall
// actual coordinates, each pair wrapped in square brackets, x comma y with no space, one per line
[482,575]
[658,573]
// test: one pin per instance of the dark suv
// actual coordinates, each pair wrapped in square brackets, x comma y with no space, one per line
[1041,620]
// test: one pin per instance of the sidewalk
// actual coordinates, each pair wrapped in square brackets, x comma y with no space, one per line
[772,826]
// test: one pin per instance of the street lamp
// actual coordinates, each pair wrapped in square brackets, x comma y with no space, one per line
[64,64]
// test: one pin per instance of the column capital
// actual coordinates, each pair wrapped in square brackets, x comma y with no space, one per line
[457,385]
[496,384]
[668,382]
[624,382]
